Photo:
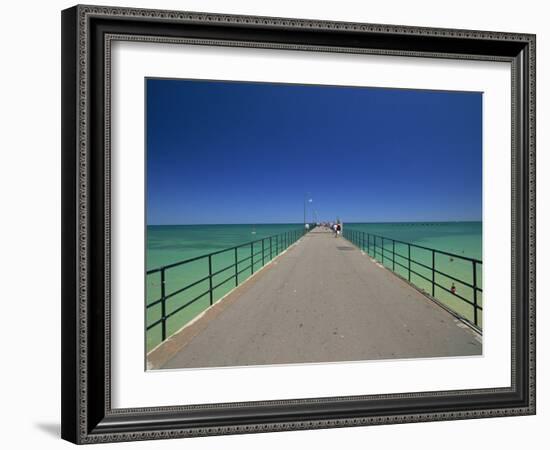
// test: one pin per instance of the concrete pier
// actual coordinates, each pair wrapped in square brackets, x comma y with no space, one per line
[322,301]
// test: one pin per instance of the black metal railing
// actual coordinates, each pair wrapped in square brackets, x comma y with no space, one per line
[261,252]
[383,249]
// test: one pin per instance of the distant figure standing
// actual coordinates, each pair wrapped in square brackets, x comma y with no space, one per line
[338,229]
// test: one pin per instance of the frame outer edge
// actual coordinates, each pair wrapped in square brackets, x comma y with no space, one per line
[532,143]
[69,289]
[75,218]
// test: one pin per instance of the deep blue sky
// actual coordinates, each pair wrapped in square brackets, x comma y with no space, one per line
[226,152]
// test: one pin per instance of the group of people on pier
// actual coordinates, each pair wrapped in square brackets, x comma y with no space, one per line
[335,227]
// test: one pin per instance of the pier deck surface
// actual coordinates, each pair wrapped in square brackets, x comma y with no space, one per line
[321,301]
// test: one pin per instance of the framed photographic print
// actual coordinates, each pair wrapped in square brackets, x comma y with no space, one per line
[275,224]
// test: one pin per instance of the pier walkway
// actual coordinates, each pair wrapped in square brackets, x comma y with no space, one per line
[323,300]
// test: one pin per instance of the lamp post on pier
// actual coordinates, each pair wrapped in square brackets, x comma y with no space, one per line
[307,200]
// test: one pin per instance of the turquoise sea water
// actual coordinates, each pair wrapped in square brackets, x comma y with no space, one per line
[167,244]
[460,238]
[171,243]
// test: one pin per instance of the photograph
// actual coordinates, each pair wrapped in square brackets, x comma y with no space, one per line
[302,223]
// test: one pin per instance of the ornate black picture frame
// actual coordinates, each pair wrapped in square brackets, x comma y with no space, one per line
[87,34]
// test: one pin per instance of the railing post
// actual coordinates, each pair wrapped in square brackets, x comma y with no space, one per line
[163,303]
[210,279]
[409,259]
[382,249]
[393,254]
[263,256]
[236,268]
[433,273]
[270,248]
[474,283]
[251,258]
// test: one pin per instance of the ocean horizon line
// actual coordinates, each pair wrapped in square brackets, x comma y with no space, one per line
[301,223]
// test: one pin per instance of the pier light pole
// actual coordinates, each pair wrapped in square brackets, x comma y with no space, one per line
[306,200]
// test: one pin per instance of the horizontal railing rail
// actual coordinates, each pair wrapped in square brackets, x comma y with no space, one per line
[375,246]
[268,247]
